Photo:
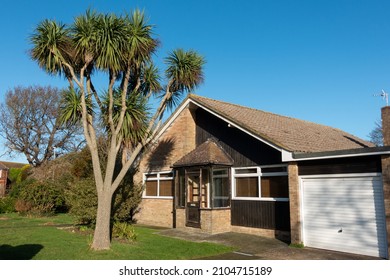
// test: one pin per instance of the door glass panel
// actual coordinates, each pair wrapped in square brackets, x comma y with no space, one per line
[193,182]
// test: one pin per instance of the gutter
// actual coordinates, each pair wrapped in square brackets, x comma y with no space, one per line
[371,151]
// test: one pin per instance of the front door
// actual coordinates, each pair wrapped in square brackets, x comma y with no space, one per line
[193,199]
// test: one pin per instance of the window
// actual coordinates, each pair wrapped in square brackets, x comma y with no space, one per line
[159,184]
[274,186]
[220,188]
[265,183]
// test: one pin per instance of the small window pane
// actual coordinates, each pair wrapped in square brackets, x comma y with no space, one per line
[150,176]
[166,175]
[166,188]
[246,171]
[220,172]
[276,187]
[247,187]
[274,169]
[151,188]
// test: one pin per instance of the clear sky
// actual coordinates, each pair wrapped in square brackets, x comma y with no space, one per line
[320,61]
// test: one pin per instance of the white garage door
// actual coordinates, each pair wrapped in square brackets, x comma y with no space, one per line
[344,214]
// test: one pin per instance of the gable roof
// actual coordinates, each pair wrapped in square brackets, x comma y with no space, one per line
[287,133]
[209,152]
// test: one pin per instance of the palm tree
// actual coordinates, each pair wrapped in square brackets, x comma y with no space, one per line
[122,47]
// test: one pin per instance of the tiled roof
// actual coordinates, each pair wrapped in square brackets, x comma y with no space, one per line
[288,133]
[206,153]
[7,164]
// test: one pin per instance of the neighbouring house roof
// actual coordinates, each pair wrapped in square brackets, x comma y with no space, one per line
[207,153]
[2,166]
[8,165]
[287,133]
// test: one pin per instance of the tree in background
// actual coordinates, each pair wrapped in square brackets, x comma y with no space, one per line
[376,135]
[30,124]
[120,47]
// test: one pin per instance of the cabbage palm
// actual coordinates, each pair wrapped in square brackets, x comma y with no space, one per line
[122,47]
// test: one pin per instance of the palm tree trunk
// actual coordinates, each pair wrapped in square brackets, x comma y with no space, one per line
[101,237]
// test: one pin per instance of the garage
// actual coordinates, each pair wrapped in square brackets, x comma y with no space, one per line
[344,213]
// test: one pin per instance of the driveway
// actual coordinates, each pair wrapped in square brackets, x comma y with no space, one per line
[252,247]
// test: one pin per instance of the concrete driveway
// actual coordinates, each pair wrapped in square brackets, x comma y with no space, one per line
[251,247]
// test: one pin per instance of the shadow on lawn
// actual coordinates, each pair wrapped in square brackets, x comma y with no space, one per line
[21,252]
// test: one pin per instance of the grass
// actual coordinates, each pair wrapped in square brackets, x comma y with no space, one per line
[44,239]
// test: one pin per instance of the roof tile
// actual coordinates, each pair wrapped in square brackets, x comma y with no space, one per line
[288,133]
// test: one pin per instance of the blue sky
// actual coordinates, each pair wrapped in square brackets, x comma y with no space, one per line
[320,61]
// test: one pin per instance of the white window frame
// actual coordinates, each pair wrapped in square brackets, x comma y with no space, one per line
[158,178]
[258,174]
[212,180]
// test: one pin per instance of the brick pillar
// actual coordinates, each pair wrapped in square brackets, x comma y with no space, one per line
[386,125]
[386,194]
[295,214]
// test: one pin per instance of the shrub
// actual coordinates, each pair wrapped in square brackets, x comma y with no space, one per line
[18,187]
[126,200]
[124,231]
[82,200]
[37,197]
[22,207]
[7,204]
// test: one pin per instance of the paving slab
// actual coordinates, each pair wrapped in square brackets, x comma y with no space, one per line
[252,247]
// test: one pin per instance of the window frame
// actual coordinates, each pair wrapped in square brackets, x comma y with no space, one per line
[220,176]
[157,179]
[258,174]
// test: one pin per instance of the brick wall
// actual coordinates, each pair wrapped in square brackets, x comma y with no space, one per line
[386,125]
[3,181]
[176,141]
[215,221]
[156,212]
[180,218]
[295,215]
[386,193]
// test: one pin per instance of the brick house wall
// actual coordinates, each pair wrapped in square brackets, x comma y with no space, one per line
[177,140]
[3,181]
[386,194]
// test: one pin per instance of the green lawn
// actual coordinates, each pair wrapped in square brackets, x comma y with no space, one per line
[43,239]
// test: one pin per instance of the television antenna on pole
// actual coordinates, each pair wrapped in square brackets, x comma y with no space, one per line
[385,96]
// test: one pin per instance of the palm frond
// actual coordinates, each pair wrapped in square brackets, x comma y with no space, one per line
[71,109]
[185,70]
[141,44]
[51,46]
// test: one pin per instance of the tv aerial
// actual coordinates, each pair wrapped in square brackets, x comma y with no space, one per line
[385,96]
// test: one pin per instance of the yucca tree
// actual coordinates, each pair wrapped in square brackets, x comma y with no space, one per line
[122,47]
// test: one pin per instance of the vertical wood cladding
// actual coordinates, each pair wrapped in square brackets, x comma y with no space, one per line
[365,164]
[261,214]
[243,148]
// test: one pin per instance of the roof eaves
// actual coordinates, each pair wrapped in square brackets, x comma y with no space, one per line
[299,156]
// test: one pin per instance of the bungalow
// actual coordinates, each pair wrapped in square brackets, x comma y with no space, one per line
[220,167]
